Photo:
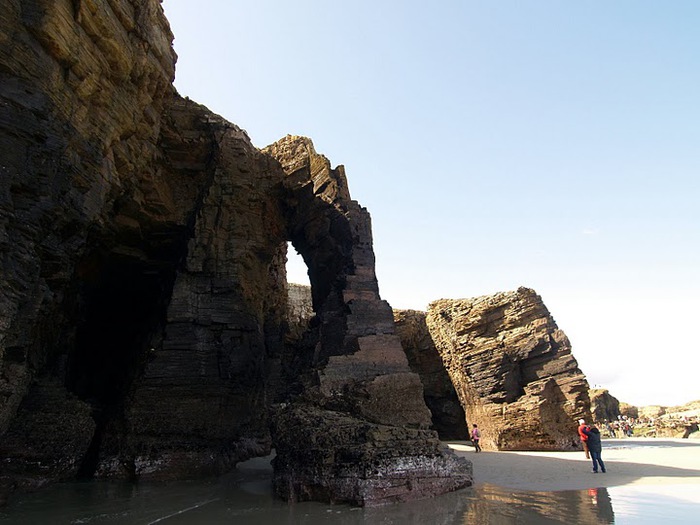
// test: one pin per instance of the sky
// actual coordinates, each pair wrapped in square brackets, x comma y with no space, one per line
[496,144]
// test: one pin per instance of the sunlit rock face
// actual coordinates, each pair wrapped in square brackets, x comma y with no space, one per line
[512,368]
[143,293]
[300,310]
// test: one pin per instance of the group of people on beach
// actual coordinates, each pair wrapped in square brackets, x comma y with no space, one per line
[624,425]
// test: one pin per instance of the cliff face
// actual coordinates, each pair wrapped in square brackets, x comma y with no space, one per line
[142,286]
[512,369]
[143,245]
[82,91]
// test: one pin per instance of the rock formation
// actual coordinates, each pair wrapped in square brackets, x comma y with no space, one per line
[361,413]
[512,369]
[678,421]
[604,406]
[300,310]
[423,358]
[143,293]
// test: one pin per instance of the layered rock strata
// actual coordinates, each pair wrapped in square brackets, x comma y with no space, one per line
[512,369]
[142,284]
[143,243]
[447,413]
[360,408]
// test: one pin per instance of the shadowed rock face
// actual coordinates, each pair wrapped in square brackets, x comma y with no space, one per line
[512,369]
[604,406]
[447,413]
[142,283]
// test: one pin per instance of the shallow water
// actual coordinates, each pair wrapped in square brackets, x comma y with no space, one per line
[245,497]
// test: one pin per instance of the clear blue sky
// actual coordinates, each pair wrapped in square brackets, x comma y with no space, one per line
[547,144]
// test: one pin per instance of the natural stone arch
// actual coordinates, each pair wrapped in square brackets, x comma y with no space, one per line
[89,171]
[362,414]
[333,235]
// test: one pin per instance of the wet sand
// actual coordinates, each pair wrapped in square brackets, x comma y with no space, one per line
[631,461]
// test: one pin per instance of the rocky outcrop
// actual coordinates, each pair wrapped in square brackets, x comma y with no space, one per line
[91,230]
[197,400]
[632,411]
[447,413]
[646,412]
[512,369]
[143,295]
[604,406]
[360,409]
[678,421]
[688,410]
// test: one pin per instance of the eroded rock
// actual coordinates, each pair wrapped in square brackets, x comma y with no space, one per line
[360,402]
[346,459]
[142,278]
[604,406]
[512,369]
[447,414]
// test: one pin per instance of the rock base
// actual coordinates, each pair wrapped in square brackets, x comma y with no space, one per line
[346,460]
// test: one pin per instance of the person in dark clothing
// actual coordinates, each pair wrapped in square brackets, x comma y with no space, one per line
[595,448]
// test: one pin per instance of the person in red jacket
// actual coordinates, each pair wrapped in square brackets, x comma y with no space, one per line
[595,447]
[584,438]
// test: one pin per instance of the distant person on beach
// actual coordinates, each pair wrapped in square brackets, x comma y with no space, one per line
[476,436]
[584,438]
[595,447]
[610,429]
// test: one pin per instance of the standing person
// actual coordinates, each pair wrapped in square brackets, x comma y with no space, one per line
[584,438]
[476,436]
[595,447]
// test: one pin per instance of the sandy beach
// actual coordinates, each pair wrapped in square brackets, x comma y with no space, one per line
[631,461]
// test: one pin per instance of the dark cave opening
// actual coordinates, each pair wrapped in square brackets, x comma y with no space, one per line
[122,305]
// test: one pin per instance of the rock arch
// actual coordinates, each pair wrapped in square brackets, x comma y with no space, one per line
[106,168]
[362,411]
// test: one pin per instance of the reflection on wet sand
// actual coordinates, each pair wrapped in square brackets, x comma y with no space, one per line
[495,505]
[247,500]
[245,497]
